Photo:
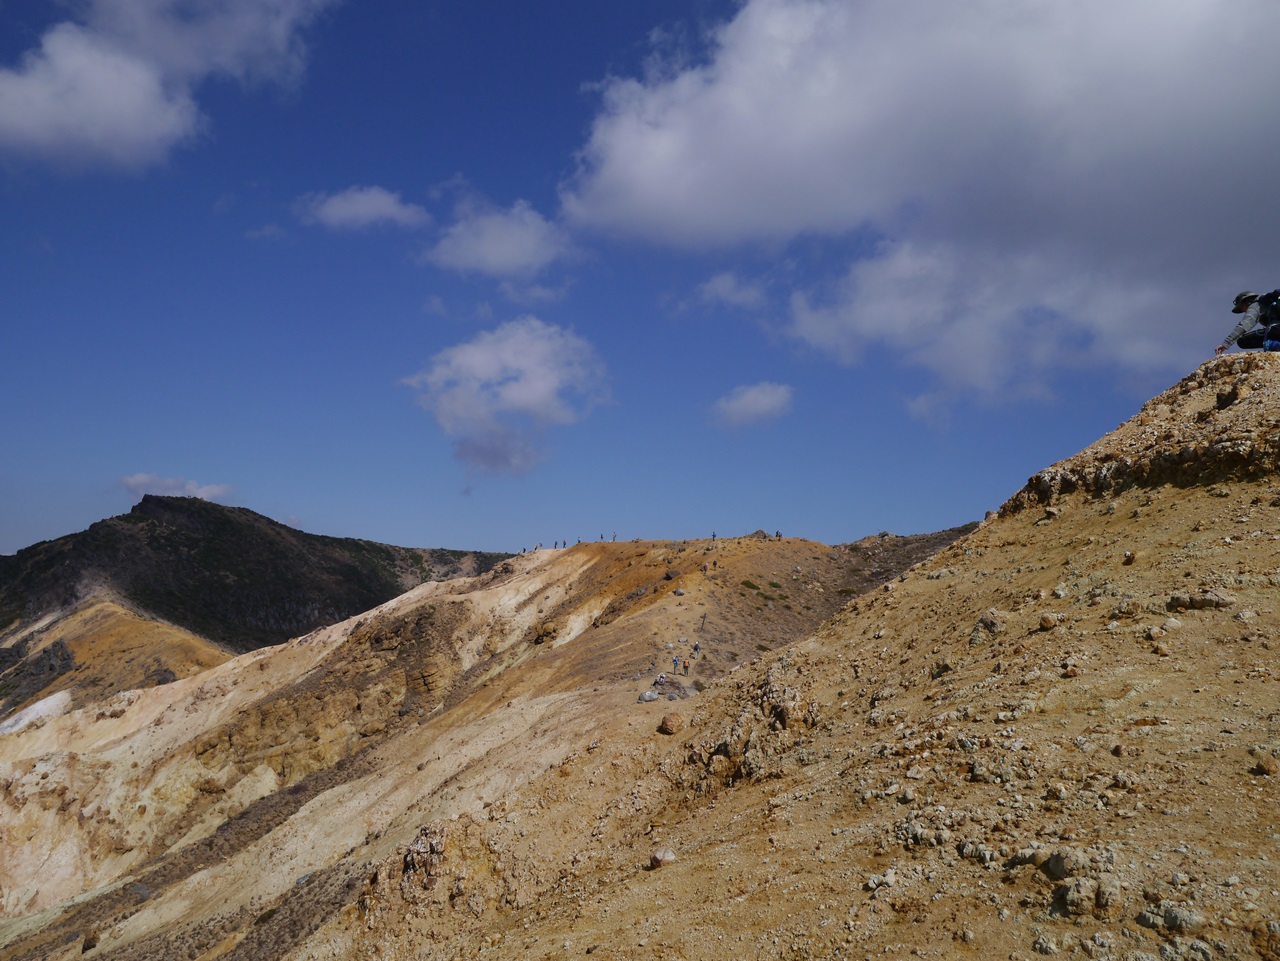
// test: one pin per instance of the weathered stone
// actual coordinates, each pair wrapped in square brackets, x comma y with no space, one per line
[1109,894]
[1267,766]
[1212,600]
[1175,918]
[1065,864]
[1079,896]
[1182,920]
[1045,945]
[661,857]
[671,723]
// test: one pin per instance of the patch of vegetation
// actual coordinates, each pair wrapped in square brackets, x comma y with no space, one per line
[775,585]
[750,586]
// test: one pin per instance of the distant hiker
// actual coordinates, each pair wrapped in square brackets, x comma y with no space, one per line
[777,535]
[713,537]
[686,667]
[697,646]
[675,664]
[659,680]
[1260,325]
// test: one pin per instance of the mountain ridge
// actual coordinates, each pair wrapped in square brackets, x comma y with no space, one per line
[227,575]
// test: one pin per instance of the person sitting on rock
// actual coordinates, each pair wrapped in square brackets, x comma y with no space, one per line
[1259,327]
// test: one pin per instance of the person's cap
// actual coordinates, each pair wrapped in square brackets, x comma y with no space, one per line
[1243,300]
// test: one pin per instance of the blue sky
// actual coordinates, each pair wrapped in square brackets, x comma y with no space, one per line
[484,275]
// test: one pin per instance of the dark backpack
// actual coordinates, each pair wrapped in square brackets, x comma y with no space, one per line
[1269,317]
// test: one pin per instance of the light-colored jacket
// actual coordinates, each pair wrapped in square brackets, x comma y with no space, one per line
[1251,318]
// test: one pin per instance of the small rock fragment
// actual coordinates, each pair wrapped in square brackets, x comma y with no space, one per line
[661,857]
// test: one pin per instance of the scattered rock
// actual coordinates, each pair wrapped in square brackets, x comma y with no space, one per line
[661,857]
[1079,896]
[1065,863]
[1045,945]
[1174,918]
[671,723]
[1267,766]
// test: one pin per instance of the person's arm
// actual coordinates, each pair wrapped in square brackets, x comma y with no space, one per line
[1247,322]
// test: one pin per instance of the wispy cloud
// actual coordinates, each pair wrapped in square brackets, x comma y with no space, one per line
[753,404]
[514,243]
[117,86]
[729,289]
[497,394]
[357,208]
[139,484]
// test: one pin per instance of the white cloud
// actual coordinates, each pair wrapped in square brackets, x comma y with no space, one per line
[518,242]
[1102,164]
[728,289]
[753,404]
[78,98]
[359,207]
[117,88]
[139,484]
[496,394]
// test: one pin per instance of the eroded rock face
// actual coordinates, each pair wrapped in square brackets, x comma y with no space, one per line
[1217,424]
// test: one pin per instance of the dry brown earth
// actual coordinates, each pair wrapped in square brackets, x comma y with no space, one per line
[1057,736]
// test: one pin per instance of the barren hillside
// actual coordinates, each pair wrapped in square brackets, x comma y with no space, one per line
[1058,735]
[318,757]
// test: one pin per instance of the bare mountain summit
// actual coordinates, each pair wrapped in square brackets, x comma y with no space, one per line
[179,584]
[1057,735]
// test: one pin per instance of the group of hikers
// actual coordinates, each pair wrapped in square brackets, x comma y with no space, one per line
[678,663]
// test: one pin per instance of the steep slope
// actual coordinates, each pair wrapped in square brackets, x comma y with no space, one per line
[158,821]
[224,576]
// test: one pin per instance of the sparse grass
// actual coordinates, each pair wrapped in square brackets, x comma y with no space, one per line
[750,586]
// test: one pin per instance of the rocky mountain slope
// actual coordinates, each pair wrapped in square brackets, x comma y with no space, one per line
[458,689]
[1058,735]
[183,584]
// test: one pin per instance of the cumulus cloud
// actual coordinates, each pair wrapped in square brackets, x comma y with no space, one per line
[116,87]
[514,243]
[359,207]
[1020,176]
[753,404]
[497,394]
[139,484]
[728,289]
